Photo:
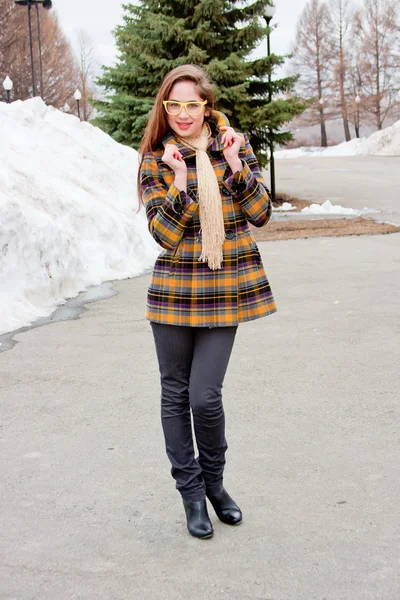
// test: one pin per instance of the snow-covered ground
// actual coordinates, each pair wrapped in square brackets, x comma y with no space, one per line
[68,211]
[327,208]
[380,143]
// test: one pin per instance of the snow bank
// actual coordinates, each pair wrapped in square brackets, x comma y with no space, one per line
[327,208]
[68,211]
[380,143]
[285,206]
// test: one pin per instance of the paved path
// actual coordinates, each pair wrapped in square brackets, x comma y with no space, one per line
[88,509]
[354,181]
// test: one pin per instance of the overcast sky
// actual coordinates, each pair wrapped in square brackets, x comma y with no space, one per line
[99,18]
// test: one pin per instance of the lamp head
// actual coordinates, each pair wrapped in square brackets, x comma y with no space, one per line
[269,11]
[358,99]
[8,84]
[77,95]
[47,4]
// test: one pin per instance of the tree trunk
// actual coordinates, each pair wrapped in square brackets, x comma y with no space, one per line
[324,139]
[357,124]
[344,113]
[378,85]
[342,94]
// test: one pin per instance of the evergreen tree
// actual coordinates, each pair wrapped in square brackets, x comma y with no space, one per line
[158,35]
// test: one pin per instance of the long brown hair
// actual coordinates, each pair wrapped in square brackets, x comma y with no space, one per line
[157,125]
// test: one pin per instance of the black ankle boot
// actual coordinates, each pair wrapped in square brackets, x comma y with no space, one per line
[198,521]
[225,508]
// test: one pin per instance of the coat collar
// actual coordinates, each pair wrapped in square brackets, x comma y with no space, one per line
[216,145]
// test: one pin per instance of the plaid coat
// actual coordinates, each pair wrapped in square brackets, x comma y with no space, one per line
[184,291]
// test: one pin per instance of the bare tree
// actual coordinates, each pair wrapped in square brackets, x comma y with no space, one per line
[376,27]
[342,13]
[355,79]
[313,57]
[12,43]
[61,73]
[87,63]
[60,70]
[7,33]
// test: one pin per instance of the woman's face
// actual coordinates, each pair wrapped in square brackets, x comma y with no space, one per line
[183,124]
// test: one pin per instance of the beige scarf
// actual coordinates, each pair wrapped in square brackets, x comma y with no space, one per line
[211,217]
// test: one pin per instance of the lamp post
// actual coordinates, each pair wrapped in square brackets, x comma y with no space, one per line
[28,3]
[269,13]
[78,97]
[8,86]
[357,124]
[47,4]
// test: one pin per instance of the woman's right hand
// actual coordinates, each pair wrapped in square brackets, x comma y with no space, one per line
[173,158]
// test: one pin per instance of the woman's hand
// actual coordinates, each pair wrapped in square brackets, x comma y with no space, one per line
[232,142]
[173,158]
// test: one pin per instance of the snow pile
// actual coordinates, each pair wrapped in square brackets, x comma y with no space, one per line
[68,211]
[380,143]
[327,208]
[285,206]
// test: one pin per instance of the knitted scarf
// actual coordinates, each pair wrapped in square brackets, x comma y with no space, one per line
[211,217]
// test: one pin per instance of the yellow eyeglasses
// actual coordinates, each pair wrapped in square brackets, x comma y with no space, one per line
[173,107]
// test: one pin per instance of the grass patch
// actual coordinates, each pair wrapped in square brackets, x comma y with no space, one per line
[278,230]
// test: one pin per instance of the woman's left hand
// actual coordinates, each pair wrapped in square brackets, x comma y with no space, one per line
[232,142]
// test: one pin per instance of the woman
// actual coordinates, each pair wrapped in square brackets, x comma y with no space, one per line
[200,183]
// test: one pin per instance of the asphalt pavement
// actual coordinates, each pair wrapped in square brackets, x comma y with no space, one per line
[352,181]
[88,508]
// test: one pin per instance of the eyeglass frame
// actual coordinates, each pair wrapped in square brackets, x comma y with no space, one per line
[184,105]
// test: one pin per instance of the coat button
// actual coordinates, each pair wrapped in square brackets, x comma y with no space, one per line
[178,207]
[225,191]
[229,234]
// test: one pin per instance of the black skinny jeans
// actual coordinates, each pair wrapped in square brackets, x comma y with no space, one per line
[193,363]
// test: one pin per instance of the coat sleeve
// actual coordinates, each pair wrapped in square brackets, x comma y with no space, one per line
[168,210]
[249,187]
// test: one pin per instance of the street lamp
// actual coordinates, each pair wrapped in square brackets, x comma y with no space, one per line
[358,100]
[47,4]
[269,13]
[66,107]
[78,97]
[8,86]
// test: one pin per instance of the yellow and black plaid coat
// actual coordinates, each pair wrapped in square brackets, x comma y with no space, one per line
[184,291]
